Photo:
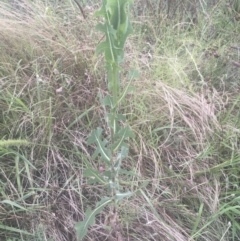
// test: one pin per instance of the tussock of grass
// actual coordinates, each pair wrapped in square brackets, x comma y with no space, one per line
[184,112]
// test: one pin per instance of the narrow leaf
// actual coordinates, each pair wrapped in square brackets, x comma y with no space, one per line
[107,174]
[151,205]
[107,101]
[95,176]
[95,137]
[115,123]
[133,74]
[122,135]
[198,219]
[123,153]
[81,227]
[16,230]
[9,202]
[120,196]
[102,11]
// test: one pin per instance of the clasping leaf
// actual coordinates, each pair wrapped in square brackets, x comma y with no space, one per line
[95,137]
[82,227]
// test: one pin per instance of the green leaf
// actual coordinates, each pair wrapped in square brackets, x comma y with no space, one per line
[133,74]
[9,202]
[117,11]
[101,47]
[128,173]
[107,101]
[16,230]
[123,153]
[150,204]
[95,176]
[102,11]
[116,119]
[78,118]
[81,227]
[120,196]
[107,174]
[97,151]
[118,14]
[108,46]
[122,135]
[95,137]
[101,27]
[123,94]
[198,219]
[116,28]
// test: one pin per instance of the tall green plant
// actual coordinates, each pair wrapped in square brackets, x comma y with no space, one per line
[114,148]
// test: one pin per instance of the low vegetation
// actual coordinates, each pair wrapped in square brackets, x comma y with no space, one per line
[183,162]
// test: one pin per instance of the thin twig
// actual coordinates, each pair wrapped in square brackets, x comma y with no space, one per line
[235,47]
[237,64]
[81,9]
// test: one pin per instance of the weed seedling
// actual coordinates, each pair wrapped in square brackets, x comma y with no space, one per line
[111,147]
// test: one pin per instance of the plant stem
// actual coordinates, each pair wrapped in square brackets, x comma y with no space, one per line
[115,79]
[115,90]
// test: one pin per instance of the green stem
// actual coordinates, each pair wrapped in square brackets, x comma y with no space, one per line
[114,79]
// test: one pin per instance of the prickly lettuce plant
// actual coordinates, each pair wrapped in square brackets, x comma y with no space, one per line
[111,150]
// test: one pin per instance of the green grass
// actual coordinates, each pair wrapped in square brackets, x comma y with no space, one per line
[184,112]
